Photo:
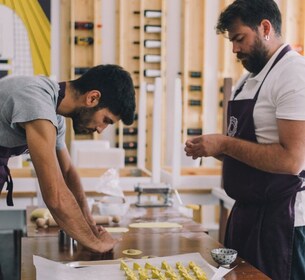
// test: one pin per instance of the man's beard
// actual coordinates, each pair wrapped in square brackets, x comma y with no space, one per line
[256,60]
[81,118]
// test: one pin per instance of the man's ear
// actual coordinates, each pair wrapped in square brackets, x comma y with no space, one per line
[92,98]
[266,27]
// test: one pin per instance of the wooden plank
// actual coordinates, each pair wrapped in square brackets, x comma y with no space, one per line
[129,45]
[293,23]
[192,62]
[97,32]
[197,171]
[65,25]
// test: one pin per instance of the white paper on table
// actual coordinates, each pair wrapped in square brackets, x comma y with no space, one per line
[51,270]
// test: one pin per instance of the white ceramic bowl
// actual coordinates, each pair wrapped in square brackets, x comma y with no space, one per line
[224,256]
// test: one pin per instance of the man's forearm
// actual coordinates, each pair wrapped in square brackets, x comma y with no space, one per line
[67,209]
[267,157]
[73,182]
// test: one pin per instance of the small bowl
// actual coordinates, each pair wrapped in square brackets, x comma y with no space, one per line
[224,256]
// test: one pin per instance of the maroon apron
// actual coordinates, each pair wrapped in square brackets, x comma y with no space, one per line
[6,153]
[261,224]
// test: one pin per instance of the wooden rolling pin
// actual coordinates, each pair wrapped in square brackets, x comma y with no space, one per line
[100,220]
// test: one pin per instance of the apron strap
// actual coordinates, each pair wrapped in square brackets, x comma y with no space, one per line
[7,178]
[5,174]
[277,59]
[9,187]
[61,93]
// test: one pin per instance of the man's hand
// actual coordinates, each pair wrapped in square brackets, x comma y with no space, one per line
[107,241]
[205,146]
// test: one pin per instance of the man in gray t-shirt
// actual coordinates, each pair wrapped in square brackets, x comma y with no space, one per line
[32,119]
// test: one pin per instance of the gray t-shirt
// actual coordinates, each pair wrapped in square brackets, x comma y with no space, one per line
[24,98]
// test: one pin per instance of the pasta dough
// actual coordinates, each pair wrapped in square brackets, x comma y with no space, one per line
[155,225]
[116,229]
[132,252]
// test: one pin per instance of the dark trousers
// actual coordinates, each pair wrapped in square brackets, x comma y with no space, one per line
[298,254]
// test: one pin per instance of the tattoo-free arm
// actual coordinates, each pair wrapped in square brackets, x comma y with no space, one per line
[73,182]
[287,156]
[41,138]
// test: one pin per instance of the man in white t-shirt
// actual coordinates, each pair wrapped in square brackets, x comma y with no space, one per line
[263,152]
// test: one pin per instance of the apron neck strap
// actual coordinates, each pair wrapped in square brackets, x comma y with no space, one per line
[278,58]
[61,93]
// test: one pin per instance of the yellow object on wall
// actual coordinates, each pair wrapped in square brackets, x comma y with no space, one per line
[39,30]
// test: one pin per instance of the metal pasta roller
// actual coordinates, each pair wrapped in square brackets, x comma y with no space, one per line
[160,192]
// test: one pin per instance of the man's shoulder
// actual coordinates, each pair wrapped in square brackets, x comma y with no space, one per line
[291,65]
[24,81]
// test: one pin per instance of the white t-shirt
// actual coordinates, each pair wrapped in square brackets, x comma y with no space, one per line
[282,96]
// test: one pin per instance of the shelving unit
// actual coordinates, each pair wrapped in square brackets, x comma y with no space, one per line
[141,51]
[82,47]
[229,67]
[192,68]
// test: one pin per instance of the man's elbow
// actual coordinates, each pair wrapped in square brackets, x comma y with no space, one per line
[296,168]
[52,201]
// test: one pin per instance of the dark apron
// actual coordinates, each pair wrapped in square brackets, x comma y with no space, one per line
[6,153]
[261,224]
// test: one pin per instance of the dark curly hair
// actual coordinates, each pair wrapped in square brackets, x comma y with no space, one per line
[251,13]
[116,87]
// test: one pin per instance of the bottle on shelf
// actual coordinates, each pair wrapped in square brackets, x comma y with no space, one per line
[80,70]
[152,28]
[129,145]
[128,131]
[130,159]
[84,25]
[194,102]
[4,61]
[152,58]
[152,13]
[195,74]
[152,44]
[149,44]
[84,41]
[152,73]
[194,131]
[4,73]
[195,88]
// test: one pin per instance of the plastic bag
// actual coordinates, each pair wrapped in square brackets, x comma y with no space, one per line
[109,184]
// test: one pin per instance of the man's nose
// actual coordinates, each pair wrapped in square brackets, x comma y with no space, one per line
[100,128]
[235,48]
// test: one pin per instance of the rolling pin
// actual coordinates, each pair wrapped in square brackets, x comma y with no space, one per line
[100,220]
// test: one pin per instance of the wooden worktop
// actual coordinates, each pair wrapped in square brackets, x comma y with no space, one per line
[192,237]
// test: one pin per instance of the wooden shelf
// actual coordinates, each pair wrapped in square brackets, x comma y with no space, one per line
[81,45]
[138,31]
[192,67]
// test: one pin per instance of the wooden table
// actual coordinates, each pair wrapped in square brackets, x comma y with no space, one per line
[192,237]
